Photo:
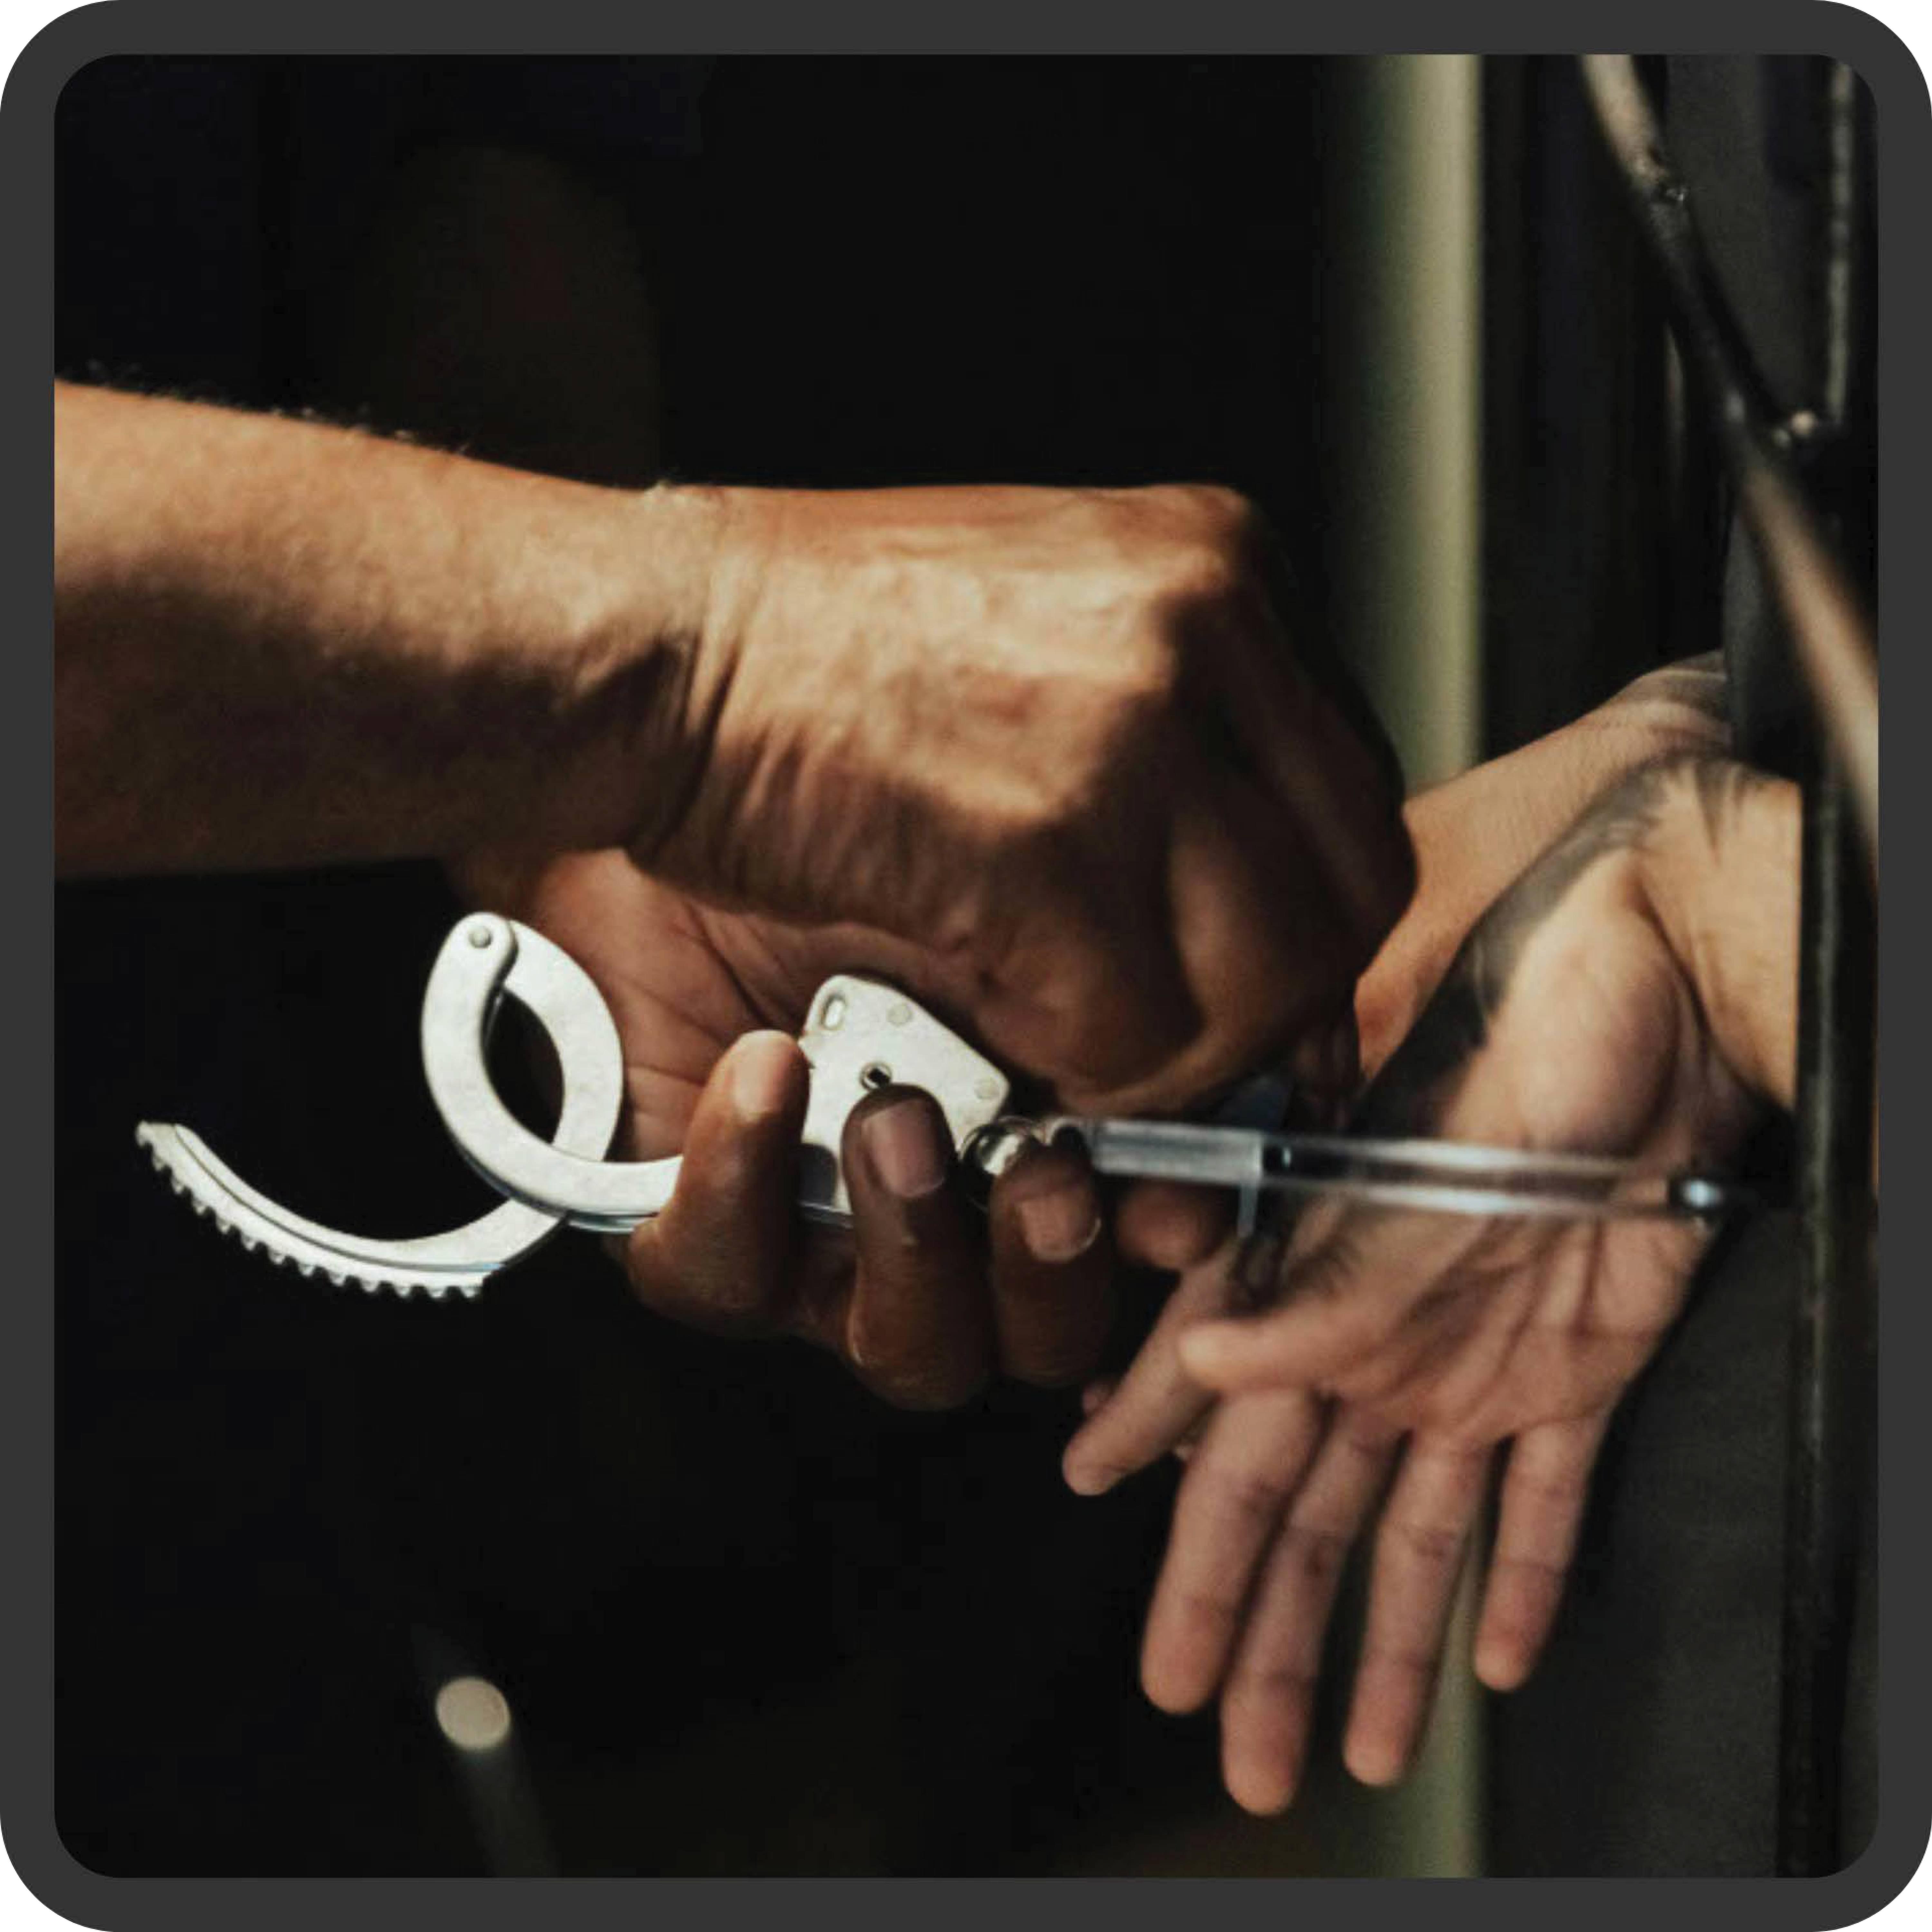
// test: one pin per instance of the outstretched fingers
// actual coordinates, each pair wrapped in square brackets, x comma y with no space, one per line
[1545,1488]
[1240,1479]
[1267,1701]
[1420,1551]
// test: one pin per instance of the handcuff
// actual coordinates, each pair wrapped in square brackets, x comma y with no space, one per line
[860,1035]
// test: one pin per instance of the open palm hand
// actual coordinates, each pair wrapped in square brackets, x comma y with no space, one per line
[1373,1355]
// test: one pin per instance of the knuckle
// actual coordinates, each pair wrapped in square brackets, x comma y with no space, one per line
[1048,841]
[1147,678]
[1431,1544]
[1275,1679]
[1206,538]
[919,1376]
[1249,1495]
[1317,1554]
[1221,515]
[738,1307]
[1417,1662]
[1557,1496]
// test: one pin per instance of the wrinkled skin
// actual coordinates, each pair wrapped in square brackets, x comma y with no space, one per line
[1046,758]
[1065,742]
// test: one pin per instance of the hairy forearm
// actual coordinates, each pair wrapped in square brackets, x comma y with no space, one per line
[276,642]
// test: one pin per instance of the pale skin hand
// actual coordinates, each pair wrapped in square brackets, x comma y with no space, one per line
[1473,837]
[1633,994]
[1476,834]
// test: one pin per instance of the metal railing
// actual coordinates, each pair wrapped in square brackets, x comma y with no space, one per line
[1812,581]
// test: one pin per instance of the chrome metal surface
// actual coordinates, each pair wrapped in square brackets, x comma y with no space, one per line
[1440,1176]
[539,977]
[860,1037]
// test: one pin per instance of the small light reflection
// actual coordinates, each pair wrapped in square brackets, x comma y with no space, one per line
[472,1714]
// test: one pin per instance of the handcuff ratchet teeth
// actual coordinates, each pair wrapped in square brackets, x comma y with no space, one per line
[860,1035]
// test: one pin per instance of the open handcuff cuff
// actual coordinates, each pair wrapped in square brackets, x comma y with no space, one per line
[860,1035]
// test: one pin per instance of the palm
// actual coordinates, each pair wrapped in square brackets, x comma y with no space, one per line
[1410,1346]
[1592,1041]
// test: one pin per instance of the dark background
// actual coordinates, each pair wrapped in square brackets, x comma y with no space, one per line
[749,1619]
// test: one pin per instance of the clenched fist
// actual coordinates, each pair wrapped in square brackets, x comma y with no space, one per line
[1061,743]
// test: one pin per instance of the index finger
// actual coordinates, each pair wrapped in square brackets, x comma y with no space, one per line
[1156,1403]
[918,1328]
[1239,1484]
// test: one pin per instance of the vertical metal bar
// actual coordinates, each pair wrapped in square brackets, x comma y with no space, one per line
[1407,157]
[1409,375]
[1804,571]
[1819,581]
[1832,1330]
[1832,1334]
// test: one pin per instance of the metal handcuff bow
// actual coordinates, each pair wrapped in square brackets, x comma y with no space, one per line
[860,1035]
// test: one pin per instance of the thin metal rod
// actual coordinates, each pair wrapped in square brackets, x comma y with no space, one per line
[1836,646]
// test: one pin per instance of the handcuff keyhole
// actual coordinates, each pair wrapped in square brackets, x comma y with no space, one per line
[875,1076]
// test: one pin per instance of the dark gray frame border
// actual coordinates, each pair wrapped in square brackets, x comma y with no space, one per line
[880,26]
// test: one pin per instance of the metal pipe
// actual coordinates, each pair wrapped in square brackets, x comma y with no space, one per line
[1831,1331]
[1826,617]
[1836,646]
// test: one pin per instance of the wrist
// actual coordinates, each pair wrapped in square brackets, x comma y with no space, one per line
[1721,871]
[1476,835]
[648,664]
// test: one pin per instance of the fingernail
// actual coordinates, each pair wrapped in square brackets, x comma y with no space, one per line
[1374,1763]
[761,1074]
[903,1140]
[1060,1225]
[1089,1479]
[1498,1667]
